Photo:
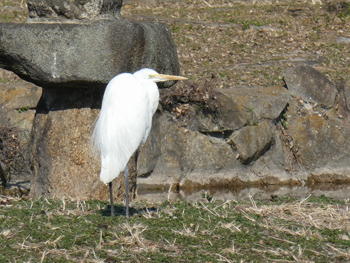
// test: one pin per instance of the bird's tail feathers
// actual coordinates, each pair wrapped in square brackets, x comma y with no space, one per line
[111,168]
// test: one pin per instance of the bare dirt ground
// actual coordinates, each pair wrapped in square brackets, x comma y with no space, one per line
[250,43]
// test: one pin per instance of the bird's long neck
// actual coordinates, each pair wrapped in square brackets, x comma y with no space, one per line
[153,95]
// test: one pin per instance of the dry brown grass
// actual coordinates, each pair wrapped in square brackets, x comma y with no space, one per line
[310,214]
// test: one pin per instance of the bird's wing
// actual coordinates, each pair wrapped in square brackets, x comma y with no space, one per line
[121,125]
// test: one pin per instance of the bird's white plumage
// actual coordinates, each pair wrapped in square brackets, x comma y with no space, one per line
[125,120]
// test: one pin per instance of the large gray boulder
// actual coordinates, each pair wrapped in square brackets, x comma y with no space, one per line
[311,85]
[318,121]
[322,137]
[85,55]
[252,141]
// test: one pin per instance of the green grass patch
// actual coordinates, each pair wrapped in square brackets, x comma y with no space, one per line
[285,229]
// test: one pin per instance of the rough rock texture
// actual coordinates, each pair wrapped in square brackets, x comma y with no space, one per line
[258,136]
[252,141]
[202,151]
[321,136]
[17,111]
[17,107]
[47,10]
[311,85]
[238,107]
[63,161]
[15,96]
[346,95]
[85,55]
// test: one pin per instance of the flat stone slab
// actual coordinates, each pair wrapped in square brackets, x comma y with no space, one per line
[85,54]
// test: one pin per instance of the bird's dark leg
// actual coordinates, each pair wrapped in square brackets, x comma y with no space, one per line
[136,157]
[111,197]
[126,174]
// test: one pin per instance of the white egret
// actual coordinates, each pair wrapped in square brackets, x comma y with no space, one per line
[124,122]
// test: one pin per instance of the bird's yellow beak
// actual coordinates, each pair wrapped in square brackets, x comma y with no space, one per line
[162,78]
